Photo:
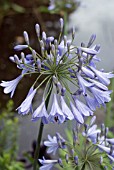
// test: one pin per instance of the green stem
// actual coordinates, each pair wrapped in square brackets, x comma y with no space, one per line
[36,155]
[39,138]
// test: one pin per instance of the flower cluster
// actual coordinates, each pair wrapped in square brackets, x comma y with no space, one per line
[62,64]
[88,149]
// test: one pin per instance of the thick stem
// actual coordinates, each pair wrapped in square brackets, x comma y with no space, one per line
[36,155]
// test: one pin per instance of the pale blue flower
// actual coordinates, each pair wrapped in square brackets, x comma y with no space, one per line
[10,86]
[101,96]
[88,50]
[25,106]
[20,47]
[102,76]
[56,114]
[47,164]
[52,144]
[91,102]
[41,112]
[88,72]
[82,108]
[83,83]
[77,115]
[92,133]
[65,109]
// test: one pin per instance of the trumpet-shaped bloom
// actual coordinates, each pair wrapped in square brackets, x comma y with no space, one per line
[103,77]
[52,144]
[83,83]
[65,109]
[56,114]
[82,108]
[91,102]
[101,96]
[25,106]
[47,164]
[41,112]
[92,133]
[10,86]
[77,115]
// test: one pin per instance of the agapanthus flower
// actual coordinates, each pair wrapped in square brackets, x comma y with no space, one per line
[26,105]
[47,164]
[10,86]
[56,114]
[61,63]
[41,112]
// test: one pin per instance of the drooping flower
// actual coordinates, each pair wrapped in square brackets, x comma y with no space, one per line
[65,109]
[20,47]
[25,106]
[82,108]
[100,95]
[77,115]
[41,112]
[10,86]
[83,83]
[103,77]
[56,114]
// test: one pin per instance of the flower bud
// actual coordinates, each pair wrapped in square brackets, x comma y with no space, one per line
[37,28]
[76,160]
[60,162]
[26,37]
[61,23]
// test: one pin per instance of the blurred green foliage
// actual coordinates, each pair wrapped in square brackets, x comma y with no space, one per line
[109,117]
[8,139]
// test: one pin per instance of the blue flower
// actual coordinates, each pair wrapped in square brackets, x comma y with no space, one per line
[77,115]
[83,83]
[82,108]
[56,114]
[26,105]
[41,112]
[92,133]
[103,77]
[20,47]
[52,144]
[100,95]
[10,86]
[91,102]
[65,109]
[88,72]
[47,164]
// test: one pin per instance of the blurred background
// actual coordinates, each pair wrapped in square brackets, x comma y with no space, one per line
[16,16]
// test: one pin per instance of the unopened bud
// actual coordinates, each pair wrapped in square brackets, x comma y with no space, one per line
[60,162]
[37,28]
[76,160]
[26,37]
[63,90]
[16,59]
[23,57]
[61,23]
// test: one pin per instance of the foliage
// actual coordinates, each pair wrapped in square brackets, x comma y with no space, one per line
[8,139]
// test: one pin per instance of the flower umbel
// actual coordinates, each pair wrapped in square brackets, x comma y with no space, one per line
[61,63]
